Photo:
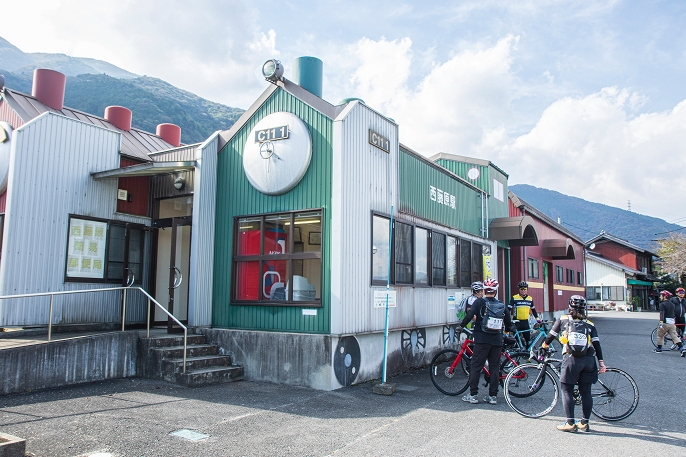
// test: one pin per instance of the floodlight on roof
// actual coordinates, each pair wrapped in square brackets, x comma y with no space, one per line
[272,70]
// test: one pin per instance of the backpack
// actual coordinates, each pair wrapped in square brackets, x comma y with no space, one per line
[577,337]
[460,309]
[492,315]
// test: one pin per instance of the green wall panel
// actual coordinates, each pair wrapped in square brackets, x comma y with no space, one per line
[236,197]
[461,169]
[415,180]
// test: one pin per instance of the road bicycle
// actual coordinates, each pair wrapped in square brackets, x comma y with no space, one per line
[669,344]
[449,368]
[532,390]
[541,330]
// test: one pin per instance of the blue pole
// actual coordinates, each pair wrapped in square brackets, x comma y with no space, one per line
[388,288]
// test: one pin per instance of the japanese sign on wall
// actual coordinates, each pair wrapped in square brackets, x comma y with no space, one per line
[441,197]
[86,250]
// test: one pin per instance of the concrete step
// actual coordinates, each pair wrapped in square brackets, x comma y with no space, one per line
[175,365]
[208,376]
[192,350]
[172,340]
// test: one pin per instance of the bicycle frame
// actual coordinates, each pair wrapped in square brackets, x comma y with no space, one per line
[532,343]
[468,350]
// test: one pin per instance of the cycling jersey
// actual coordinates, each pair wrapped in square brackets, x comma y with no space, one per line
[667,311]
[520,306]
[558,331]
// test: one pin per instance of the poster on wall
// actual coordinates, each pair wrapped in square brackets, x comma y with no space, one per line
[488,267]
[86,249]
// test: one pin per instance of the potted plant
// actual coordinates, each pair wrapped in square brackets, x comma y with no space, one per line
[636,302]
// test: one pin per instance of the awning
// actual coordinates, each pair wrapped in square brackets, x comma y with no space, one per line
[558,249]
[638,282]
[145,169]
[518,231]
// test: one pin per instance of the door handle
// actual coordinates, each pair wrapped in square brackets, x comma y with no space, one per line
[130,278]
[178,278]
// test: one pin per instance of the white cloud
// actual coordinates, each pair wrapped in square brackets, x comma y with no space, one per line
[592,148]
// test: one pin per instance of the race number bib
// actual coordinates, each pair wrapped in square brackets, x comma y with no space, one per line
[494,323]
[669,320]
[576,339]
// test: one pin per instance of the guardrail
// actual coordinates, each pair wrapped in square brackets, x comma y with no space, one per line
[123,314]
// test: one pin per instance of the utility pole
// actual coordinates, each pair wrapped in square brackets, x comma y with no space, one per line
[628,202]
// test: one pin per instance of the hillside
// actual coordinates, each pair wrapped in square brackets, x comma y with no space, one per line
[587,219]
[93,85]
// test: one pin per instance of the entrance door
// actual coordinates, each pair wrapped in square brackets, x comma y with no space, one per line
[173,266]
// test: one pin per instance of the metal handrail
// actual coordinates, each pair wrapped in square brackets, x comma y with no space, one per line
[123,314]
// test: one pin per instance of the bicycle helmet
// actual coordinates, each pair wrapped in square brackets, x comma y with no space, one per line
[490,286]
[577,302]
[523,285]
[680,290]
[665,294]
[477,286]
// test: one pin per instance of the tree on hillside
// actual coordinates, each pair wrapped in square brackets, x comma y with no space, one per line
[672,252]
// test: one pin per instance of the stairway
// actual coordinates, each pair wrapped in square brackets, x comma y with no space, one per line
[161,357]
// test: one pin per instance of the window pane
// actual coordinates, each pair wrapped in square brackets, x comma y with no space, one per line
[465,263]
[136,253]
[115,255]
[310,225]
[275,234]
[438,258]
[606,293]
[308,286]
[247,280]
[380,233]
[579,278]
[533,268]
[86,249]
[590,293]
[477,262]
[421,256]
[248,236]
[451,262]
[403,253]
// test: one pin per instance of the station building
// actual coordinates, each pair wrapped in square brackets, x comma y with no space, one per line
[284,230]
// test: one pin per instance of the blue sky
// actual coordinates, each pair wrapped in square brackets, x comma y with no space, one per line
[584,97]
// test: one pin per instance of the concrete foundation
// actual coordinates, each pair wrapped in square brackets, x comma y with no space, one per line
[69,361]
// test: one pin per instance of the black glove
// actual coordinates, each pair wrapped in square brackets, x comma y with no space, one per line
[541,354]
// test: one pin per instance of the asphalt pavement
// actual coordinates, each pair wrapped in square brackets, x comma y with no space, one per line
[141,417]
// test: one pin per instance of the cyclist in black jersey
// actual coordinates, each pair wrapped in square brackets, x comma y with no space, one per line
[667,324]
[581,348]
[488,342]
[679,310]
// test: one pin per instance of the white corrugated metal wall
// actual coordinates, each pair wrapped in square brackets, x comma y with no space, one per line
[202,237]
[365,179]
[49,178]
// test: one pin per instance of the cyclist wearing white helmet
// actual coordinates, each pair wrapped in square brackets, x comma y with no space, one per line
[581,348]
[490,319]
[477,292]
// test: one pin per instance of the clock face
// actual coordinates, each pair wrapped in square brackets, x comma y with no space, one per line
[277,153]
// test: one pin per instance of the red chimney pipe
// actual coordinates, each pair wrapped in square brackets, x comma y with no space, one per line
[119,116]
[171,133]
[48,87]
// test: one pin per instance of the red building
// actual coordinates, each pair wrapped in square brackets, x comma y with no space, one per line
[621,251]
[554,269]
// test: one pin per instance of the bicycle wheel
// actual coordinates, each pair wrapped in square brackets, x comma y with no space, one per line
[531,390]
[450,381]
[669,344]
[615,395]
[506,365]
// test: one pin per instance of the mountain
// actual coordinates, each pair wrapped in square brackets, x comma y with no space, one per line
[92,85]
[587,219]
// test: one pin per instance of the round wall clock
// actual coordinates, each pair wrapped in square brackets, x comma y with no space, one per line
[277,153]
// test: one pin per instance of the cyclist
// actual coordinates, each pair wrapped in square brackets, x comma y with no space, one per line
[521,305]
[477,292]
[679,310]
[488,340]
[666,324]
[581,347]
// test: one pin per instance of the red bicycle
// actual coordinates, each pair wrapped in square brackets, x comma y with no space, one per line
[450,367]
